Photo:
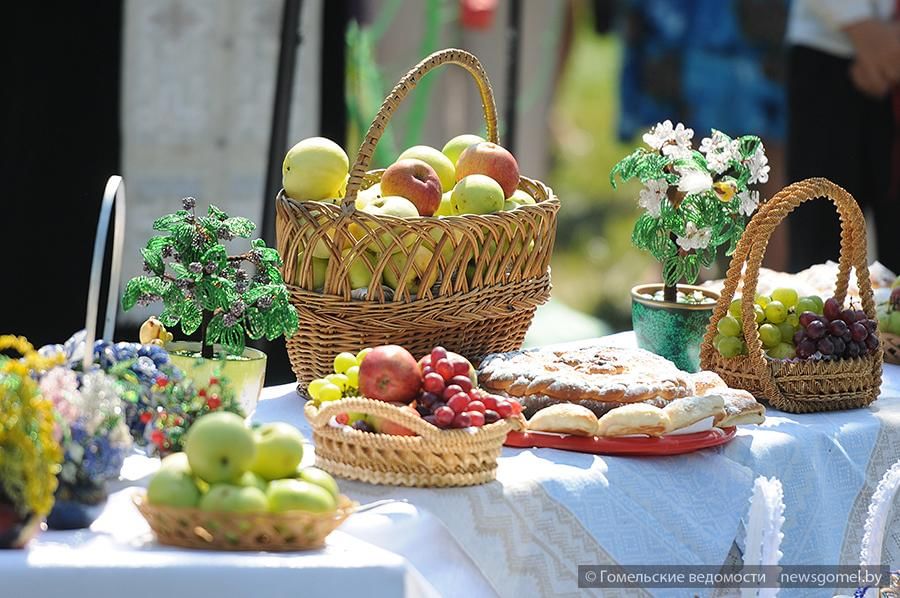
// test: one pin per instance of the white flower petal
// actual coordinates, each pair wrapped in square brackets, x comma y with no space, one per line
[694,181]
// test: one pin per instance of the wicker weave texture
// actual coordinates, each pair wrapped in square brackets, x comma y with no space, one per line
[470,283]
[273,532]
[797,386]
[432,458]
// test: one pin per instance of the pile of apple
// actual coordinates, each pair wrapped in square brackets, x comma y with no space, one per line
[441,388]
[468,176]
[889,311]
[228,467]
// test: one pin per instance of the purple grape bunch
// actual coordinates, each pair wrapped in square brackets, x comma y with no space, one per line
[836,334]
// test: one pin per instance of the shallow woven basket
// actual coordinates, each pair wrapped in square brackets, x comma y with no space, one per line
[273,532]
[797,386]
[433,458]
[470,283]
[891,345]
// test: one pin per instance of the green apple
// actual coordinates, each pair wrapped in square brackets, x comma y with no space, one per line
[521,198]
[316,476]
[176,461]
[894,323]
[366,195]
[173,487]
[390,205]
[298,495]
[441,164]
[251,479]
[477,194]
[219,447]
[397,262]
[446,207]
[234,499]
[313,169]
[453,148]
[360,272]
[279,449]
[449,247]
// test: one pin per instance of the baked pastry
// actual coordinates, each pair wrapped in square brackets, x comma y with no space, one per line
[740,408]
[532,404]
[690,410]
[565,418]
[597,373]
[636,418]
[706,381]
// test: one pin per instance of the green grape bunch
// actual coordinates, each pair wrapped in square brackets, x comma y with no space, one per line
[695,200]
[202,287]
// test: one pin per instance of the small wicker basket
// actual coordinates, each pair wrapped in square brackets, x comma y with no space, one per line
[470,283]
[891,345]
[433,458]
[797,386]
[272,532]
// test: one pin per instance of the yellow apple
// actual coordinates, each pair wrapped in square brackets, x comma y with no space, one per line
[359,272]
[298,495]
[446,207]
[367,195]
[453,148]
[441,164]
[477,194]
[319,266]
[314,169]
[518,198]
[421,259]
[390,205]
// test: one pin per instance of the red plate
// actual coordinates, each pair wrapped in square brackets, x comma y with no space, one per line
[636,445]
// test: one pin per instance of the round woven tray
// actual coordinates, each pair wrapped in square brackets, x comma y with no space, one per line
[273,532]
[891,345]
[433,458]
[797,386]
[470,283]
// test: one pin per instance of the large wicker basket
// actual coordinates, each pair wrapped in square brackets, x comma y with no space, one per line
[432,458]
[273,532]
[470,283]
[794,385]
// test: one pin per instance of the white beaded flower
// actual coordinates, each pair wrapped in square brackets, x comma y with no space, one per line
[758,164]
[719,151]
[672,141]
[651,196]
[749,202]
[694,238]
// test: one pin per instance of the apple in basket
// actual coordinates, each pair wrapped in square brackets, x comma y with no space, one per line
[220,447]
[441,164]
[279,450]
[416,181]
[476,194]
[390,373]
[492,160]
[456,146]
[315,169]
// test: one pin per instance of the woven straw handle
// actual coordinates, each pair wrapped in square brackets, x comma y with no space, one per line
[372,407]
[403,87]
[752,246]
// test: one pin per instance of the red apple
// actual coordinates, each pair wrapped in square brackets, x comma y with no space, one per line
[492,160]
[390,373]
[416,181]
[385,426]
[457,360]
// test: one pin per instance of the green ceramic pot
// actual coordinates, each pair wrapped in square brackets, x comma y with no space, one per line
[246,373]
[671,330]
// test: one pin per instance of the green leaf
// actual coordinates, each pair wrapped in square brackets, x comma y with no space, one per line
[182,272]
[133,291]
[256,322]
[169,221]
[690,268]
[169,316]
[254,293]
[239,227]
[748,145]
[673,271]
[214,329]
[191,317]
[215,213]
[232,339]
[216,255]
[154,260]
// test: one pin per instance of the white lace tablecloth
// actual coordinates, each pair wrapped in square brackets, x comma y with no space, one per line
[522,535]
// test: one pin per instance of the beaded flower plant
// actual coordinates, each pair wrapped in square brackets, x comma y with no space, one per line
[694,201]
[204,288]
[30,455]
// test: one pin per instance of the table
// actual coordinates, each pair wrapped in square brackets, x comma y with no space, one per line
[523,534]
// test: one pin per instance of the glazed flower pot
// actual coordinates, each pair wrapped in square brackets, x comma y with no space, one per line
[15,530]
[246,374]
[671,330]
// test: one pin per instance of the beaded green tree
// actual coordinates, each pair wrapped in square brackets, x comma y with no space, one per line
[204,287]
[694,201]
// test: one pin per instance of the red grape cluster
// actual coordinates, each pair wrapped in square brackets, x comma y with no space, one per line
[449,399]
[837,334]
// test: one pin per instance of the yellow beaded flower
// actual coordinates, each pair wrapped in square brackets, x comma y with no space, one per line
[30,456]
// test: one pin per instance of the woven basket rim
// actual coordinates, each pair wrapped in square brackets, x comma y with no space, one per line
[345,507]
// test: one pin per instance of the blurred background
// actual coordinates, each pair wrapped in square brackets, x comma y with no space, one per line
[203,97]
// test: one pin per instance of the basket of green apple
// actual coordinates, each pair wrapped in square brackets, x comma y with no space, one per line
[444,247]
[889,324]
[801,355]
[237,488]
[385,418]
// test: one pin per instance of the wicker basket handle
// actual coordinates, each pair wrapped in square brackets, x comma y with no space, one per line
[325,411]
[752,246]
[392,101]
[113,194]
